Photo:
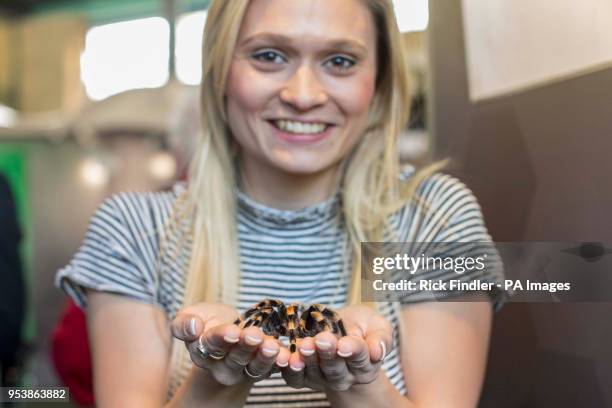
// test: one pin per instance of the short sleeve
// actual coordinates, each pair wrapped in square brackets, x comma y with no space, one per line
[117,254]
[446,222]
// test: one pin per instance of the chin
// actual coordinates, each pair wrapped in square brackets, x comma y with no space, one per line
[301,169]
[302,166]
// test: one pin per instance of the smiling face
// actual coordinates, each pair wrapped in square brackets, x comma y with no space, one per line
[301,83]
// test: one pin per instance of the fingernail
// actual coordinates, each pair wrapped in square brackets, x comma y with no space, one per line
[345,355]
[307,352]
[231,339]
[323,345]
[285,364]
[191,327]
[268,352]
[253,341]
[296,368]
[384,350]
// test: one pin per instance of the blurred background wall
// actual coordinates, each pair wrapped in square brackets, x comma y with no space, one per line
[70,137]
[91,104]
[538,160]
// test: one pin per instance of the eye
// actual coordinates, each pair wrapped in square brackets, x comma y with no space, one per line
[269,56]
[340,62]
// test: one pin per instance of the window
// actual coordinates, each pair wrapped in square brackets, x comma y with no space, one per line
[412,15]
[188,51]
[131,54]
[127,55]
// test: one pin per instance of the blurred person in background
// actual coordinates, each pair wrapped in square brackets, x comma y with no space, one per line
[12,292]
[297,164]
[71,355]
[70,350]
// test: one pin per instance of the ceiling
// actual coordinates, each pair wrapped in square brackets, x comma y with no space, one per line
[17,7]
[100,11]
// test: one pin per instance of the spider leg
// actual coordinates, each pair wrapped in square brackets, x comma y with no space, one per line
[275,303]
[256,318]
[292,326]
[304,331]
[341,327]
[263,305]
[281,320]
[313,320]
[292,341]
[328,312]
[338,327]
[272,324]
[251,311]
[306,322]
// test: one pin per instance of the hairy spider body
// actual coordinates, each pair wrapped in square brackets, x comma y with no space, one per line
[294,320]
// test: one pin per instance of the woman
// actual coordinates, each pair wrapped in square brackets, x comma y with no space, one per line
[302,105]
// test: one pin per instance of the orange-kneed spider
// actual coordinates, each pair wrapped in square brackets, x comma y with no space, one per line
[293,320]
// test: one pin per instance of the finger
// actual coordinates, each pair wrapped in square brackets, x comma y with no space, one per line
[294,374]
[334,368]
[379,346]
[282,359]
[379,338]
[187,327]
[196,355]
[326,344]
[313,376]
[242,353]
[265,358]
[356,354]
[212,314]
[218,340]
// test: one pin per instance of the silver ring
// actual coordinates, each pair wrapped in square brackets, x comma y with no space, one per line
[216,356]
[206,354]
[255,377]
[202,349]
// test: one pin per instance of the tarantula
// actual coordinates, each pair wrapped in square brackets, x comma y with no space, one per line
[294,320]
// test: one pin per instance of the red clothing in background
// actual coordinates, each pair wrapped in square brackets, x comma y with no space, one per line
[70,354]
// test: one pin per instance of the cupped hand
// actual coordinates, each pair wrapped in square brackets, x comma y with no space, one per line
[328,363]
[232,355]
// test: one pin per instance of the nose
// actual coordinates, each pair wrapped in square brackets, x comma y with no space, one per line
[303,90]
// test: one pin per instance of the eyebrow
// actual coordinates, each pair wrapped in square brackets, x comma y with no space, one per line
[346,44]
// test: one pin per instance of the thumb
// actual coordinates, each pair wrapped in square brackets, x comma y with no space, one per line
[187,327]
[379,338]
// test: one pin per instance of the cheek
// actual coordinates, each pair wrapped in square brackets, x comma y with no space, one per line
[245,90]
[356,98]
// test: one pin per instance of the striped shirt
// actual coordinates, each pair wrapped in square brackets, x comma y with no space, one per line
[296,256]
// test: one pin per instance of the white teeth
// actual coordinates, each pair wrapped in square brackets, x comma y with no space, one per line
[300,127]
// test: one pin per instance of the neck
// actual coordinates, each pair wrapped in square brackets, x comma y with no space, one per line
[287,191]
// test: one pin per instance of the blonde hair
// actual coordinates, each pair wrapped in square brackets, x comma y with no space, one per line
[371,189]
